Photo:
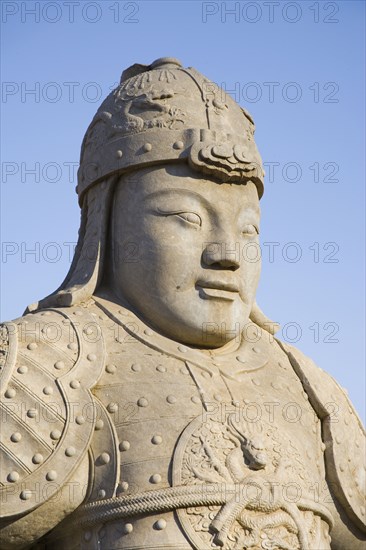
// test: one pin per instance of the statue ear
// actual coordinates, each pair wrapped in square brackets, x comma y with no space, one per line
[260,319]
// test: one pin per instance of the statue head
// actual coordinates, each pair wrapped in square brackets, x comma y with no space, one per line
[169,186]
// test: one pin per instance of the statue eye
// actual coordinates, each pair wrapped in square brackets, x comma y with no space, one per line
[190,217]
[250,230]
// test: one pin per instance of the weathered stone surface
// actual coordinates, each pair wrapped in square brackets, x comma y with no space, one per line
[146,403]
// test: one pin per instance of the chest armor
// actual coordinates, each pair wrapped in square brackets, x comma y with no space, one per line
[216,450]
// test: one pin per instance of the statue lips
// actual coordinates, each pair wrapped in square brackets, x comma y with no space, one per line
[217,290]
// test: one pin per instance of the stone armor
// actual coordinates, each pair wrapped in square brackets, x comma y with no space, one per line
[164,446]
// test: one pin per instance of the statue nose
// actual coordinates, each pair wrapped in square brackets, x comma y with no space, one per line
[222,255]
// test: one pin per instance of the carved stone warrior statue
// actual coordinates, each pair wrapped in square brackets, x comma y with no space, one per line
[146,403]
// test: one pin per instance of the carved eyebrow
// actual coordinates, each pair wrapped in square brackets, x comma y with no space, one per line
[252,209]
[255,209]
[181,192]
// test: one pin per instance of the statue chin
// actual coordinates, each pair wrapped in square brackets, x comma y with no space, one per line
[189,322]
[211,322]
[211,335]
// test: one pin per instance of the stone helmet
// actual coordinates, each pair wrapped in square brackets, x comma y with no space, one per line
[165,113]
[159,113]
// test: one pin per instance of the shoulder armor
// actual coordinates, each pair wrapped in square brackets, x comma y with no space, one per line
[50,361]
[344,435]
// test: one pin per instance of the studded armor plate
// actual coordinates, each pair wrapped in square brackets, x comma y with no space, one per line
[47,408]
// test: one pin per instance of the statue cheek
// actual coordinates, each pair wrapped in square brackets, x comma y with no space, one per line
[174,248]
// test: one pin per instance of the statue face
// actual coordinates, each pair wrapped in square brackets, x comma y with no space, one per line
[186,253]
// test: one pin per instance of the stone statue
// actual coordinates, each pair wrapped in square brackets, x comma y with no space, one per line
[146,403]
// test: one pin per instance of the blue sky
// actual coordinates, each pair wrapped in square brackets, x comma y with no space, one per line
[298,67]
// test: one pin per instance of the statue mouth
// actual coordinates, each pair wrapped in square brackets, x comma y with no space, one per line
[211,290]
